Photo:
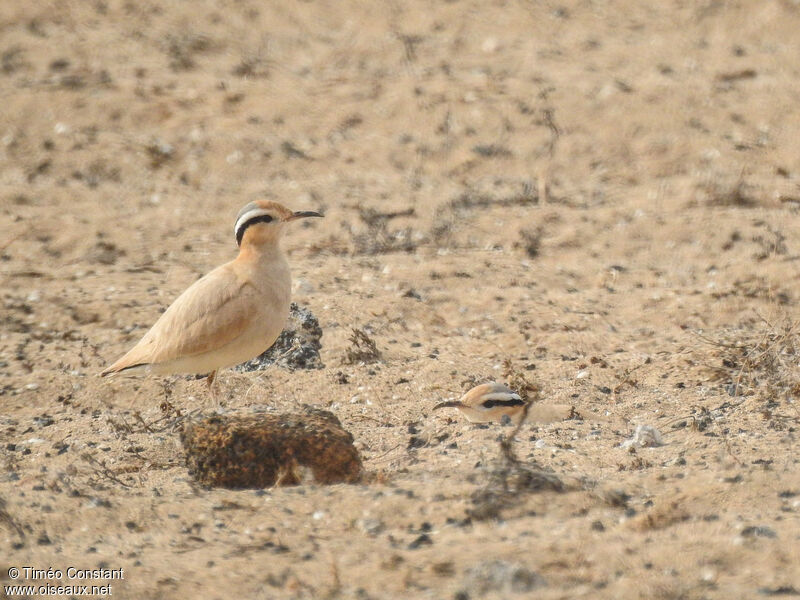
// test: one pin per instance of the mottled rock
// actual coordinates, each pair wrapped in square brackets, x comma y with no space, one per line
[297,347]
[262,450]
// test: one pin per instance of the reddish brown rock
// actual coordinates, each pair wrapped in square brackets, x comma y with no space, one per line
[262,450]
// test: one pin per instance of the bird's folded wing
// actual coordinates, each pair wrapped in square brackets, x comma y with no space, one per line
[211,313]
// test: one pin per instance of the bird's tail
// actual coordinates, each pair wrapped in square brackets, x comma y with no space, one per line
[121,365]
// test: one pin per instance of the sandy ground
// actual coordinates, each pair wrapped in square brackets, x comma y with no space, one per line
[601,196]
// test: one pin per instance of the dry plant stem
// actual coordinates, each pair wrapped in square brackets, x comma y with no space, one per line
[767,359]
[363,348]
[380,456]
[101,469]
[11,240]
[506,446]
[5,517]
[626,378]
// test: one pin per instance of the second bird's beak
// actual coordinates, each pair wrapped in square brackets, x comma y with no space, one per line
[447,404]
[301,214]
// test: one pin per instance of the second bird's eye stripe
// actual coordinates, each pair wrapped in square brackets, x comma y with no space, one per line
[506,402]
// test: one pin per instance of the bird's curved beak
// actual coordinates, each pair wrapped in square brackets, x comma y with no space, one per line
[449,403]
[301,214]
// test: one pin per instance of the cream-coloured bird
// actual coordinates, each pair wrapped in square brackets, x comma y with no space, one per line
[488,402]
[232,314]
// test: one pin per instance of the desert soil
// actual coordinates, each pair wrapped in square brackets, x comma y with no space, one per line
[600,197]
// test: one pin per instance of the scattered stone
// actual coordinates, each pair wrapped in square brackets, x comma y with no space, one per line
[43,420]
[415,441]
[503,576]
[492,151]
[262,450]
[443,569]
[297,347]
[645,436]
[758,531]
[104,253]
[423,540]
[371,526]
[159,153]
[783,590]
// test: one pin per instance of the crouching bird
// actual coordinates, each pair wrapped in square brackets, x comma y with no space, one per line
[232,314]
[488,402]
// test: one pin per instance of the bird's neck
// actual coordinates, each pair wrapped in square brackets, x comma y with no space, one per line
[267,259]
[262,254]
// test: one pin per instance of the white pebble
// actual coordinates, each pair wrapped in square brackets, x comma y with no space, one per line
[645,436]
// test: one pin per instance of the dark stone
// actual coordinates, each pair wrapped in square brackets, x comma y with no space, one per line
[758,531]
[422,540]
[297,347]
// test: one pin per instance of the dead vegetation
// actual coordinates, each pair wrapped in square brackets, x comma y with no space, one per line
[448,218]
[374,234]
[10,522]
[182,48]
[159,152]
[758,362]
[754,287]
[362,350]
[724,193]
[530,240]
[376,237]
[510,480]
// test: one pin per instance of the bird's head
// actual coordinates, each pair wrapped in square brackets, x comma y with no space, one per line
[263,221]
[487,402]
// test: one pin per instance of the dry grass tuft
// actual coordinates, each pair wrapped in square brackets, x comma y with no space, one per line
[661,517]
[9,521]
[375,236]
[181,49]
[725,193]
[519,382]
[362,349]
[530,241]
[448,216]
[760,362]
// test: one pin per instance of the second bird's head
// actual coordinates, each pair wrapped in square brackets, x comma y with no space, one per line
[263,221]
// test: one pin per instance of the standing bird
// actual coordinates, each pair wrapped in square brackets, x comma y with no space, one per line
[230,315]
[488,402]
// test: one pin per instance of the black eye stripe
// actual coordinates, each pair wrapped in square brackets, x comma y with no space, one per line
[246,224]
[511,402]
